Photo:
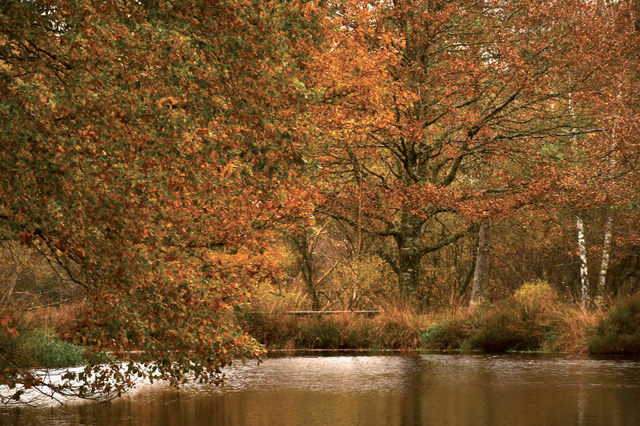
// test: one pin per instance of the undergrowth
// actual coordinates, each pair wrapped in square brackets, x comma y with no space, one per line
[618,332]
[32,339]
[532,319]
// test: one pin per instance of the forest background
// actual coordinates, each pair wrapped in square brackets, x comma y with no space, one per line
[175,174]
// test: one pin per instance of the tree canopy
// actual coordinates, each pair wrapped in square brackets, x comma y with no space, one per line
[154,150]
[149,148]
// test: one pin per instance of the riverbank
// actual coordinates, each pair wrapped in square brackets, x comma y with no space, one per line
[533,319]
[495,329]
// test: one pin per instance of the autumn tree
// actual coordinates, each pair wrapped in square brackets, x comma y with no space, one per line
[148,148]
[465,120]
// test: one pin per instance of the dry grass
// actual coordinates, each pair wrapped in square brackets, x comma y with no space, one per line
[400,327]
[397,328]
[573,325]
[63,319]
[532,319]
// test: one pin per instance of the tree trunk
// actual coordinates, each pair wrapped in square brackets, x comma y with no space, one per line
[604,265]
[482,262]
[584,272]
[309,277]
[305,253]
[358,242]
[606,244]
[409,254]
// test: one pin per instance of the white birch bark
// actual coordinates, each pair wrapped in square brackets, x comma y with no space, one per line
[606,243]
[582,249]
[604,265]
[584,272]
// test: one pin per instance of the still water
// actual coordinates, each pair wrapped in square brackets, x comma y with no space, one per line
[390,389]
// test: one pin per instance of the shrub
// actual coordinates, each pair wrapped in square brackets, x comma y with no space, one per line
[29,339]
[448,335]
[40,348]
[618,332]
[46,350]
[500,329]
[396,329]
[535,298]
[528,321]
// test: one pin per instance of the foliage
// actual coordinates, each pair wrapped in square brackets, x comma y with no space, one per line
[475,114]
[526,321]
[499,330]
[531,319]
[449,330]
[509,325]
[618,332]
[535,296]
[148,150]
[152,154]
[373,283]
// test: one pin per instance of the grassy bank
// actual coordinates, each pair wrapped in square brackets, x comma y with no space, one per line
[533,319]
[35,338]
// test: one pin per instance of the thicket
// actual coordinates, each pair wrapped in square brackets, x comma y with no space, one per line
[532,319]
[396,329]
[618,332]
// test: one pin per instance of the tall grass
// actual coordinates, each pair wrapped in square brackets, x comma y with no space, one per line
[532,319]
[394,329]
[31,338]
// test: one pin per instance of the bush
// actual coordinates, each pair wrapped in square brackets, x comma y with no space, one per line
[448,335]
[535,298]
[526,322]
[499,330]
[39,349]
[47,350]
[29,339]
[532,319]
[396,329]
[618,332]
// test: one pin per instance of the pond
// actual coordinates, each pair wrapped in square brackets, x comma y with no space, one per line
[383,389]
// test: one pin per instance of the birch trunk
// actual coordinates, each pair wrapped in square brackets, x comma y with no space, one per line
[584,272]
[604,265]
[582,250]
[606,243]
[409,254]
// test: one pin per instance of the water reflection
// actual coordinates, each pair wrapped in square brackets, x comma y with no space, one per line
[381,390]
